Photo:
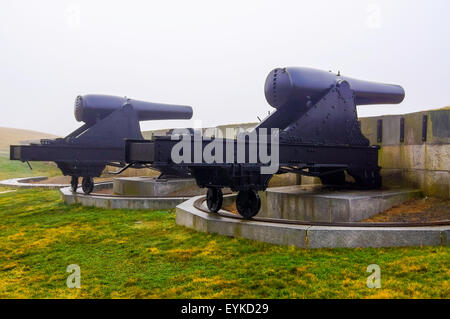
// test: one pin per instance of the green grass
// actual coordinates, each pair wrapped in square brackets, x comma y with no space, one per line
[15,169]
[144,254]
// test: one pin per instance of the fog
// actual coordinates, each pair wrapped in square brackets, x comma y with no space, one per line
[212,55]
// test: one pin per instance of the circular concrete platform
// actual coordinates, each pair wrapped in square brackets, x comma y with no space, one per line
[317,203]
[145,186]
[25,182]
[307,236]
[118,202]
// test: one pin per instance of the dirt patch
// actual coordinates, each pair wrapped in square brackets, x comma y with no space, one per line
[231,208]
[105,191]
[428,209]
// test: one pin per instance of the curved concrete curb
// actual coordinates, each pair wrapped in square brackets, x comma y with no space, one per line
[117,202]
[24,183]
[311,236]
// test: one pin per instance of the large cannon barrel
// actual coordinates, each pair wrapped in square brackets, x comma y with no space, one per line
[90,108]
[295,85]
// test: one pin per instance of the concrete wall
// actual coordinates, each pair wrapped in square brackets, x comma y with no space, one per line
[415,161]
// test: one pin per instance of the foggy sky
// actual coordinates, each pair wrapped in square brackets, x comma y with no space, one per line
[212,55]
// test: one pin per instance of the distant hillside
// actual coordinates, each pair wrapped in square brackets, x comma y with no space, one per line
[10,136]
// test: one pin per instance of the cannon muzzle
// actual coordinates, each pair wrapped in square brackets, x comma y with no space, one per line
[296,85]
[90,108]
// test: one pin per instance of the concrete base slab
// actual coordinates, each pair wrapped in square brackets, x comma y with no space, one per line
[149,186]
[24,182]
[117,202]
[318,204]
[310,236]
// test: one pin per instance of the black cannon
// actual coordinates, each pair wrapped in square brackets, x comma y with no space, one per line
[108,121]
[319,135]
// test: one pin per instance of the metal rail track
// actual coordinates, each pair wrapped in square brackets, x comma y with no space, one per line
[198,204]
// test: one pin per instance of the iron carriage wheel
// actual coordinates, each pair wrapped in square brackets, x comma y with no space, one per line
[214,199]
[248,203]
[87,185]
[74,183]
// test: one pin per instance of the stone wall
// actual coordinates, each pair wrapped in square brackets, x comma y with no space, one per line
[420,157]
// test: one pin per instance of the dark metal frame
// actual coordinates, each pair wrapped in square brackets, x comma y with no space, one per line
[323,141]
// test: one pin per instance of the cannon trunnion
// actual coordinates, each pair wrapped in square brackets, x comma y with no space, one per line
[319,135]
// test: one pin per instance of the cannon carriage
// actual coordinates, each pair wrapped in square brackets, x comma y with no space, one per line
[100,141]
[318,135]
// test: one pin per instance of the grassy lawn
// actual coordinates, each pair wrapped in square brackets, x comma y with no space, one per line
[15,169]
[144,254]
